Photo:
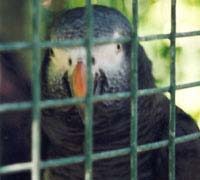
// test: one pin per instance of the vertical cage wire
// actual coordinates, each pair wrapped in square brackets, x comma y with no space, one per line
[172,119]
[134,88]
[34,165]
[89,103]
[36,111]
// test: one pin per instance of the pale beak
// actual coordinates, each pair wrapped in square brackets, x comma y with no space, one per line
[79,80]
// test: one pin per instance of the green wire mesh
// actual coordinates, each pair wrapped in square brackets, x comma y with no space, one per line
[172,120]
[36,104]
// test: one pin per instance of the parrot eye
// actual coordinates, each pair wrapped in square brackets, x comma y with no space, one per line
[70,61]
[51,53]
[119,47]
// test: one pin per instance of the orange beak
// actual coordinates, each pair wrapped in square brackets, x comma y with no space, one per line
[79,80]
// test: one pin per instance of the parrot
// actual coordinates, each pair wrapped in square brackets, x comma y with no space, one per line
[64,75]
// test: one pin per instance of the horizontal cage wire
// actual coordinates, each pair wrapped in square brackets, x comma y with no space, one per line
[7,46]
[72,101]
[89,156]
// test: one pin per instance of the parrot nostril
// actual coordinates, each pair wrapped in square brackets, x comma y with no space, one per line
[70,61]
[79,60]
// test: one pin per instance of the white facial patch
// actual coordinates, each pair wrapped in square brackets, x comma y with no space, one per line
[59,59]
[108,57]
[58,64]
[76,54]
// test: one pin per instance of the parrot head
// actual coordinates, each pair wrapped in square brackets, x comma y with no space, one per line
[66,74]
[65,68]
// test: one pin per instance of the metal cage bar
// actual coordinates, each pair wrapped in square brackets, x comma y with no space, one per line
[18,167]
[172,119]
[6,46]
[36,111]
[89,104]
[134,89]
[36,104]
[71,101]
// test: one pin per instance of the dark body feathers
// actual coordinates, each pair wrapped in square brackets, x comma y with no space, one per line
[64,129]
[14,126]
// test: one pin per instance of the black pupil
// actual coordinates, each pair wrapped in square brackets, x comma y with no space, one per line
[51,52]
[118,46]
[70,61]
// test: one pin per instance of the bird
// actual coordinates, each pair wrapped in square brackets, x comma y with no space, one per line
[63,75]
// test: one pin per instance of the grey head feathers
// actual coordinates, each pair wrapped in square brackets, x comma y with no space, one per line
[71,24]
